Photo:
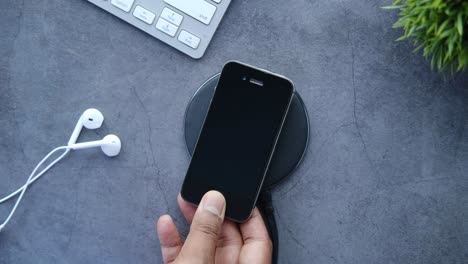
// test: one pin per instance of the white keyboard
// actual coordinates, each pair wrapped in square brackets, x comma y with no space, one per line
[187,25]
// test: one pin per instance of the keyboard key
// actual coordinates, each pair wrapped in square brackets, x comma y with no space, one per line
[125,5]
[217,1]
[171,16]
[166,27]
[198,9]
[144,15]
[189,39]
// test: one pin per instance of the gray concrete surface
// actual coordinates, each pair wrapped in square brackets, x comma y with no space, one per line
[385,179]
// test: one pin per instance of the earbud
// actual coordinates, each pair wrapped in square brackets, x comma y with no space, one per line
[91,119]
[110,145]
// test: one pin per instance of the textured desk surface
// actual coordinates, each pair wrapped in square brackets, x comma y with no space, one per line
[385,179]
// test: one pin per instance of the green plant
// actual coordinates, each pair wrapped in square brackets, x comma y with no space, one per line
[439,27]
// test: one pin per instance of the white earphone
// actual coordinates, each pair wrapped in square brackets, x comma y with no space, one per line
[93,119]
[90,119]
[110,145]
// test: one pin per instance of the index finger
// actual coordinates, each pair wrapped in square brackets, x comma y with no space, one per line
[257,244]
[254,229]
[188,210]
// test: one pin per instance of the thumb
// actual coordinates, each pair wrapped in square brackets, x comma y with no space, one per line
[200,245]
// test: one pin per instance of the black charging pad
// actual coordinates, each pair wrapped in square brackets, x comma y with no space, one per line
[292,143]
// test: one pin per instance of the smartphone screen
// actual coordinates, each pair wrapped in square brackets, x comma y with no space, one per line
[238,138]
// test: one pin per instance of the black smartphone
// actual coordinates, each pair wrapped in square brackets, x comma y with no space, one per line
[238,138]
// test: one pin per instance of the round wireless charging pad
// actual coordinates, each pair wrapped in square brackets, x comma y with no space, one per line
[292,142]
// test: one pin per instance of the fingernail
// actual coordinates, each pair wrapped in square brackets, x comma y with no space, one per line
[214,203]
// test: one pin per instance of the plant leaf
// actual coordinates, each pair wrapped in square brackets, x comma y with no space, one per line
[460,24]
[392,7]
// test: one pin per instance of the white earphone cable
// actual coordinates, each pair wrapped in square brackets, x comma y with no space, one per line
[13,194]
[30,180]
[35,178]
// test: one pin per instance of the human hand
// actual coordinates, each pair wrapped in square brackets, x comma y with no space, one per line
[211,239]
